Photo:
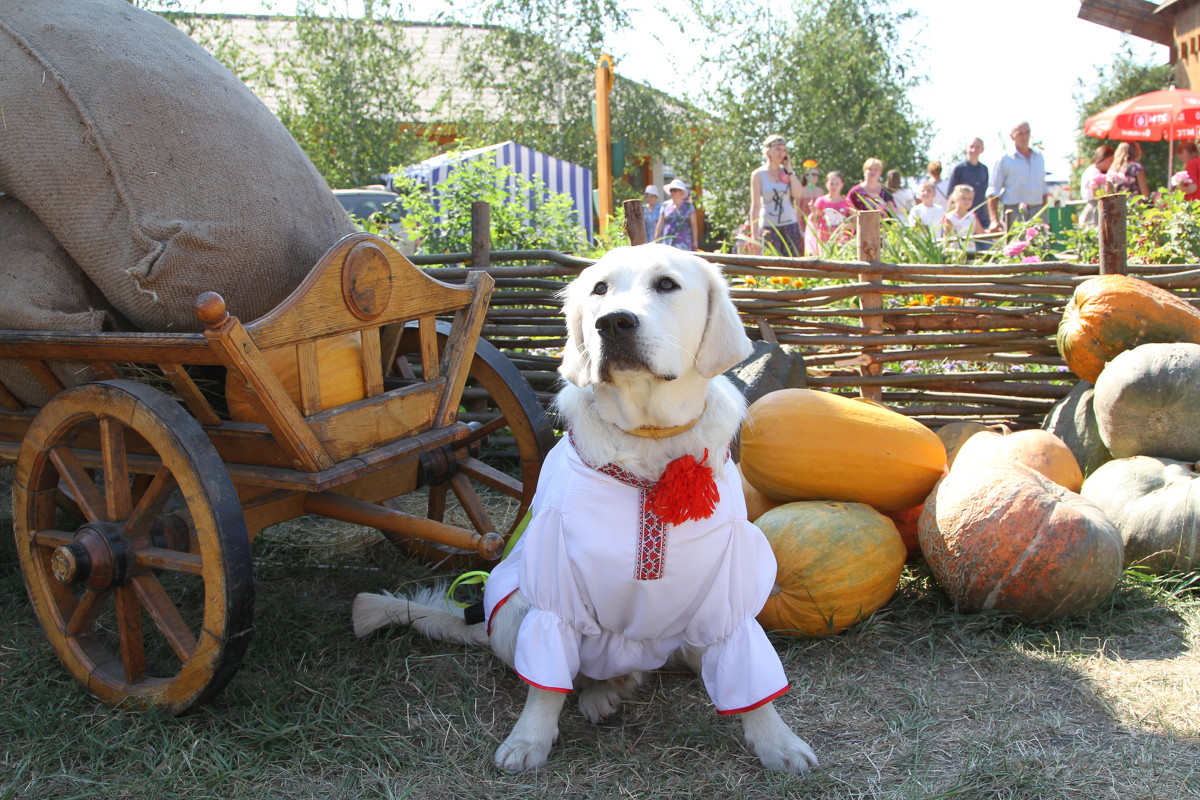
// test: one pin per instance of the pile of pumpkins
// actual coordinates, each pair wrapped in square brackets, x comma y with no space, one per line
[1039,523]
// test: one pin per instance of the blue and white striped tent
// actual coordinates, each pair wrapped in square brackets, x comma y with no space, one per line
[559,176]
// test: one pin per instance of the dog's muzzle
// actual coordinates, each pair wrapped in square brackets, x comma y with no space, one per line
[619,343]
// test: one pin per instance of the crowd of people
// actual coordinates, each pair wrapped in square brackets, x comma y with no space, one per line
[790,215]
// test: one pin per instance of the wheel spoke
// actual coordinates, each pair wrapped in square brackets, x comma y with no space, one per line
[471,504]
[51,539]
[87,610]
[490,476]
[129,628]
[166,616]
[116,470]
[79,484]
[170,560]
[437,502]
[151,504]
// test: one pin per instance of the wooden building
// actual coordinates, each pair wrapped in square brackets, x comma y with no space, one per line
[1175,23]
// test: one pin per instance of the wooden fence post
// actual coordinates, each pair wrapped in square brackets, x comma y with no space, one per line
[481,235]
[1113,243]
[635,227]
[870,244]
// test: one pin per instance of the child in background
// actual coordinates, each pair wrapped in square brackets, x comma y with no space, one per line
[832,214]
[926,212]
[960,221]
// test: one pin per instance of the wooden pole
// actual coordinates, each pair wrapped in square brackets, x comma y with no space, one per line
[1113,244]
[635,227]
[604,176]
[481,235]
[870,244]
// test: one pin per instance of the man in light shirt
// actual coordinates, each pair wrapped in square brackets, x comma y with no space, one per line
[1018,181]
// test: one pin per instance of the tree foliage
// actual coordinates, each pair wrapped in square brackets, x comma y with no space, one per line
[537,59]
[1120,79]
[831,75]
[351,83]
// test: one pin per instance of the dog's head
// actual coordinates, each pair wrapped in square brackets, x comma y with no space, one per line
[654,310]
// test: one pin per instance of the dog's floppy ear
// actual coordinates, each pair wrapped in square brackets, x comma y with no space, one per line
[576,364]
[724,342]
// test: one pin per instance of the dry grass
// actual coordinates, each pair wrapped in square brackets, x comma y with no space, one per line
[917,702]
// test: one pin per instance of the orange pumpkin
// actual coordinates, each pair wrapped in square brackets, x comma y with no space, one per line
[954,434]
[801,444]
[757,503]
[339,366]
[1005,537]
[1039,449]
[1110,314]
[838,563]
[906,525]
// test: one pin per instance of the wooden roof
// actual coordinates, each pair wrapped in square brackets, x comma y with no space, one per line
[1138,18]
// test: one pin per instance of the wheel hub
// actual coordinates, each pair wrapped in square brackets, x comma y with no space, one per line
[99,557]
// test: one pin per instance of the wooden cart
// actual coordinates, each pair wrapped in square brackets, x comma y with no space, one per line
[135,501]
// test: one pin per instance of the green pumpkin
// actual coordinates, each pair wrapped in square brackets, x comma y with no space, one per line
[1073,419]
[1155,504]
[1147,402]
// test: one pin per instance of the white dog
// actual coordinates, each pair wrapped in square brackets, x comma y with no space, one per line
[638,548]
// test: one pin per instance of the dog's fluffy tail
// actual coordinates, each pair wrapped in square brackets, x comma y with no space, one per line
[429,612]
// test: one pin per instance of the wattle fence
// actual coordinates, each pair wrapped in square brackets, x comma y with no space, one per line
[938,342]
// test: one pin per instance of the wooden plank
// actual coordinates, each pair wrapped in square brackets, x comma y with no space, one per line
[348,431]
[372,363]
[308,373]
[190,393]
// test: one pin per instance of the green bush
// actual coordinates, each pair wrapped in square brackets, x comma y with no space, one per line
[525,214]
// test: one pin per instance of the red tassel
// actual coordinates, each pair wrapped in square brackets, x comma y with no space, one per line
[685,491]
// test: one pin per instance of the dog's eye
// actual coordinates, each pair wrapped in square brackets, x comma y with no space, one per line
[600,288]
[666,285]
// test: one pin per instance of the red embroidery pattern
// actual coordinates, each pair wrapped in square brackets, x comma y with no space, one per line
[652,530]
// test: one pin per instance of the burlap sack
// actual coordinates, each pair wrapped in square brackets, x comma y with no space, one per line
[42,288]
[157,170]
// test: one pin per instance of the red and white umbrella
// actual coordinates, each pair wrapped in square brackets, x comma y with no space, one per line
[1170,114]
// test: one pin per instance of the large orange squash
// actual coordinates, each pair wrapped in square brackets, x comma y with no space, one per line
[757,503]
[1039,449]
[1110,314]
[339,365]
[801,444]
[838,563]
[1005,537]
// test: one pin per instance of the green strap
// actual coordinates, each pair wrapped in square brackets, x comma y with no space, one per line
[478,576]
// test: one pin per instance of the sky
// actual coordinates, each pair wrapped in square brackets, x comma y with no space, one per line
[990,64]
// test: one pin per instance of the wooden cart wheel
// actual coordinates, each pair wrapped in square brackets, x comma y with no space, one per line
[149,602]
[490,487]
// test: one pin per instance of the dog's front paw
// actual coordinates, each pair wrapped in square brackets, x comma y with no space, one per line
[519,753]
[769,738]
[600,700]
[792,754]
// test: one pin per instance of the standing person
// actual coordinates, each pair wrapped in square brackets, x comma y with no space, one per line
[651,208]
[960,222]
[927,212]
[1018,181]
[1126,173]
[942,188]
[831,215]
[871,194]
[775,193]
[810,179]
[901,194]
[974,173]
[1189,157]
[1092,179]
[677,224]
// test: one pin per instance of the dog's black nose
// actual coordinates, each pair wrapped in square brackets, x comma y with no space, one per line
[616,324]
